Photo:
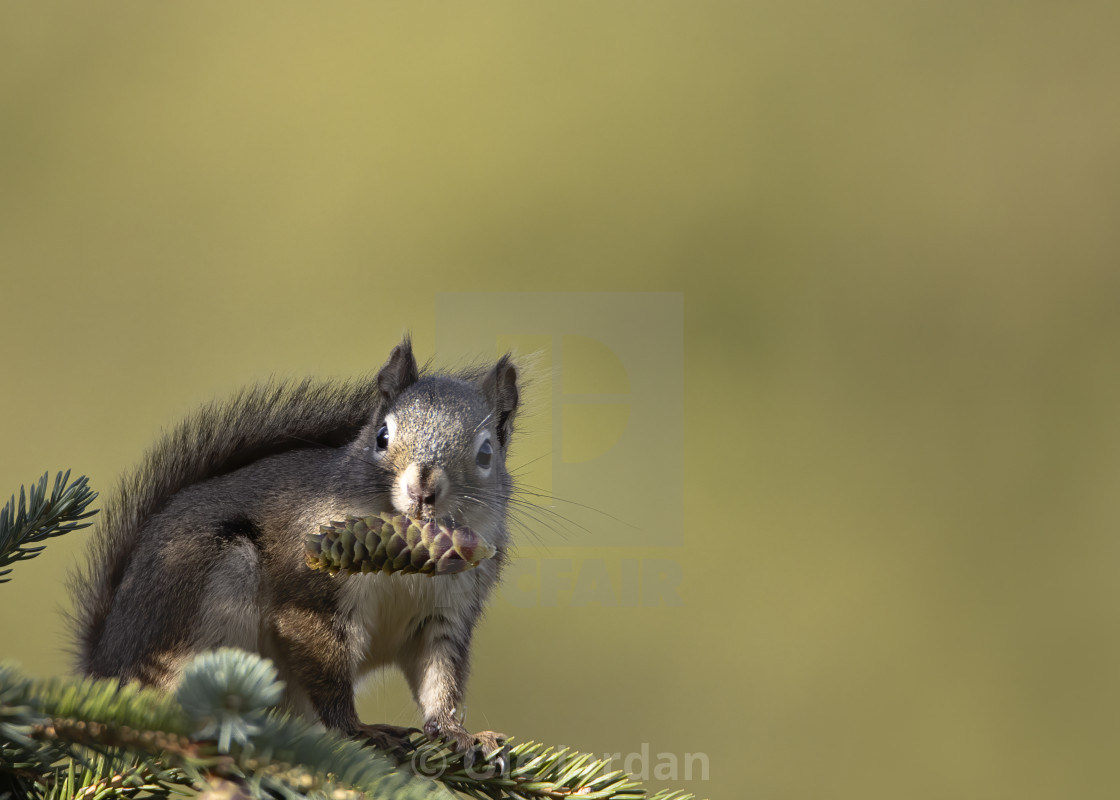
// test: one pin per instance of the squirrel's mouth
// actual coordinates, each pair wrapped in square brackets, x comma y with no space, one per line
[427,512]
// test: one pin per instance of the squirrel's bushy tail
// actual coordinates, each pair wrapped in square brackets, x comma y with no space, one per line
[220,437]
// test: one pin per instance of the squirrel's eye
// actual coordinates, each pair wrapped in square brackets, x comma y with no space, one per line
[382,437]
[484,453]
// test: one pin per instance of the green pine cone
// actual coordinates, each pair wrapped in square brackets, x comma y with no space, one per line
[394,543]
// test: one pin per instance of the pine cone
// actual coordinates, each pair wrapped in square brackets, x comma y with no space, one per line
[394,543]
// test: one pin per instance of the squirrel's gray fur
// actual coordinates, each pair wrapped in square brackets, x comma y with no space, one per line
[202,546]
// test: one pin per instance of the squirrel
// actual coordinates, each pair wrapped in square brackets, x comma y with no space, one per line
[203,546]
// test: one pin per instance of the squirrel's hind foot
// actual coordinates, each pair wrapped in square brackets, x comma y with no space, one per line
[487,747]
[390,739]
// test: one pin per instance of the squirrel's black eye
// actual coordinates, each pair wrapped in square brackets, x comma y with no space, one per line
[484,453]
[382,437]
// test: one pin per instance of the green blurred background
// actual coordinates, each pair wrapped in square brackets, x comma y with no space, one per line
[895,228]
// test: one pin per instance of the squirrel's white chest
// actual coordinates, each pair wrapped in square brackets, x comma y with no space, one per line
[386,610]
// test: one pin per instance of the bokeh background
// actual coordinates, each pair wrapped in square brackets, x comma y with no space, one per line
[894,229]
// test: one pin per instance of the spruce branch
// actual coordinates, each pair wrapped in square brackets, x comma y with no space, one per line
[267,752]
[535,772]
[40,514]
[120,775]
[218,733]
[106,703]
[228,696]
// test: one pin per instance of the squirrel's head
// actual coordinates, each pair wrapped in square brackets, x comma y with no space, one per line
[439,442]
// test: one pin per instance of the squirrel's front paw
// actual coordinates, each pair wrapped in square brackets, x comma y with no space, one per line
[487,746]
[391,739]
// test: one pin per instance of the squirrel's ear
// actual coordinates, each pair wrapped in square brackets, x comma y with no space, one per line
[399,372]
[500,388]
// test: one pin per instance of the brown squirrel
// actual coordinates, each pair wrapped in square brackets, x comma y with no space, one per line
[203,546]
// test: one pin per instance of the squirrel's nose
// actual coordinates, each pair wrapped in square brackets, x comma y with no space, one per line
[421,494]
[425,485]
